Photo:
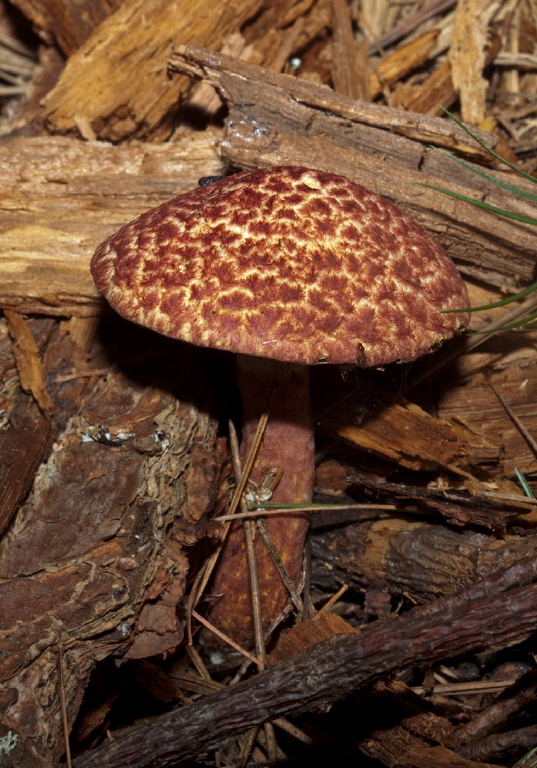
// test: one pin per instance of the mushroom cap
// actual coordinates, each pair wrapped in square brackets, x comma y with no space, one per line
[287,263]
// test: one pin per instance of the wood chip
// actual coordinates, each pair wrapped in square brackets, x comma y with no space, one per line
[116,83]
[467,59]
[28,362]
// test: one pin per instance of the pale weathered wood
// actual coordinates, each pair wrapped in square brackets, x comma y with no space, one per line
[223,72]
[277,119]
[61,197]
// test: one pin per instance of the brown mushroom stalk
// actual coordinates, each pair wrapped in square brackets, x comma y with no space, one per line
[297,266]
[285,460]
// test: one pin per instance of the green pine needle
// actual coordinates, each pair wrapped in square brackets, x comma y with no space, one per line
[497,182]
[489,150]
[524,483]
[486,206]
[527,322]
[496,304]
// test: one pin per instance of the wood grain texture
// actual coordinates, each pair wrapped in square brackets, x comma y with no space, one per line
[68,22]
[117,83]
[61,197]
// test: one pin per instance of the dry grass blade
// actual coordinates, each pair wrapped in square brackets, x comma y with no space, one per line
[228,640]
[248,464]
[253,572]
[463,689]
[280,567]
[198,663]
[333,600]
[514,418]
[269,511]
[411,22]
[247,745]
[205,573]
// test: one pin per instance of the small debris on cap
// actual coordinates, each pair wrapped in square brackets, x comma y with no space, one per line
[286,263]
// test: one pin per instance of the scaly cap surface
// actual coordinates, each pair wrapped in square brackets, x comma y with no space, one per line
[286,263]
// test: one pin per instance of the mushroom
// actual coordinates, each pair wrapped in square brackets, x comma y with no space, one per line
[287,267]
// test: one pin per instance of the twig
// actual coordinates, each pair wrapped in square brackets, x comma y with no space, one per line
[514,418]
[332,669]
[278,563]
[63,708]
[253,572]
[268,512]
[228,640]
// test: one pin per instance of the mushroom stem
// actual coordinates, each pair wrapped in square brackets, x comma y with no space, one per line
[286,453]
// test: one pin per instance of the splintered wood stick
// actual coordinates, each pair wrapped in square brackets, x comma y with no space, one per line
[464,621]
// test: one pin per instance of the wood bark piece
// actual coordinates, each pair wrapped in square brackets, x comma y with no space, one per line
[28,363]
[420,737]
[480,408]
[401,61]
[94,560]
[281,120]
[22,449]
[389,426]
[347,76]
[283,27]
[331,670]
[402,555]
[426,97]
[116,83]
[61,197]
[68,23]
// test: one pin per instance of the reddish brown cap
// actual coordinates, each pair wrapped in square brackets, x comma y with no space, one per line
[287,263]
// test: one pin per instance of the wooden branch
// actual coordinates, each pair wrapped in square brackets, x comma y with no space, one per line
[332,669]
[280,120]
[61,197]
[417,558]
